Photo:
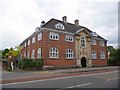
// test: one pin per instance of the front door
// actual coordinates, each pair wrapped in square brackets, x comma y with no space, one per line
[83,62]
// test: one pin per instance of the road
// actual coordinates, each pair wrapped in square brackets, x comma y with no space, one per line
[94,80]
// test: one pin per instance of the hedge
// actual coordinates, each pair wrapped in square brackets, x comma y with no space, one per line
[27,63]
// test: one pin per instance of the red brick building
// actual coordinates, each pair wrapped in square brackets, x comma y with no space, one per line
[60,44]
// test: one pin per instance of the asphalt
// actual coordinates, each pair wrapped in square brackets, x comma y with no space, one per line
[94,80]
[19,74]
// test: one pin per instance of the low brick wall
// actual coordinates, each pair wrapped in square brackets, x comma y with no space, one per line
[2,64]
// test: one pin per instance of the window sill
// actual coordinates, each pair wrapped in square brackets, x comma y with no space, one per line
[70,58]
[54,57]
[54,39]
[70,41]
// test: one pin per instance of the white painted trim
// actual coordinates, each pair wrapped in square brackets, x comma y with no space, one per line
[57,31]
[79,30]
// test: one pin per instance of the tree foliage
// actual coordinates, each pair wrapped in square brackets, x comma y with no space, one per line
[4,53]
[114,58]
[15,52]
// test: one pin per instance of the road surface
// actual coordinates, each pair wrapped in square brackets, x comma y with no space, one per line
[93,80]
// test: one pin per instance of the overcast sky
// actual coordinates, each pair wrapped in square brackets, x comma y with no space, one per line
[19,18]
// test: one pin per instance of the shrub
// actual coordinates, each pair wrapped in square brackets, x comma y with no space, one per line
[39,63]
[9,68]
[27,63]
[19,63]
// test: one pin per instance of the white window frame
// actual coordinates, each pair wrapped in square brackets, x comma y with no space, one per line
[33,54]
[93,42]
[39,36]
[39,53]
[59,26]
[69,38]
[28,54]
[53,36]
[24,54]
[93,55]
[29,42]
[102,55]
[25,44]
[102,43]
[81,41]
[33,39]
[69,54]
[53,53]
[21,46]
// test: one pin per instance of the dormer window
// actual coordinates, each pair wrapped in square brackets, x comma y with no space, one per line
[59,26]
[94,34]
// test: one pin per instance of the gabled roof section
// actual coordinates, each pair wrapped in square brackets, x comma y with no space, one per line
[68,26]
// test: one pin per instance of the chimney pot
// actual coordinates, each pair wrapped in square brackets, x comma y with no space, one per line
[42,23]
[76,22]
[64,19]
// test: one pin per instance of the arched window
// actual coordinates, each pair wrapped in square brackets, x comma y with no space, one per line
[59,26]
[93,55]
[53,53]
[102,55]
[82,41]
[39,53]
[69,54]
[32,54]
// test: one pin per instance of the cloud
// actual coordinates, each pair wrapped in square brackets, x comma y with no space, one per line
[19,18]
[101,17]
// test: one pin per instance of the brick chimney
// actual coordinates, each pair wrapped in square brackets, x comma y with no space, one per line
[42,23]
[64,19]
[76,22]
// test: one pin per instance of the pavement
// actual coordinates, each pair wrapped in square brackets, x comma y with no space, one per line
[21,74]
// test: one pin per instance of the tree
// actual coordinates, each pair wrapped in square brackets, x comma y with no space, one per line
[4,53]
[114,55]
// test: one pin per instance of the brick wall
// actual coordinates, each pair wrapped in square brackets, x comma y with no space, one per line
[61,45]
[97,48]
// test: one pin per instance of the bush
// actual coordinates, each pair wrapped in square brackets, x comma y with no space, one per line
[27,63]
[39,63]
[9,68]
[19,63]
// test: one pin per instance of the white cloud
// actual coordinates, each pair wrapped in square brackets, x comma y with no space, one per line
[19,18]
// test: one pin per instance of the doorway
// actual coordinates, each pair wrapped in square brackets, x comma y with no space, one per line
[83,62]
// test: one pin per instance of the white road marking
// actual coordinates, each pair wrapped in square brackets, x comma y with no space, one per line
[59,78]
[79,85]
[112,79]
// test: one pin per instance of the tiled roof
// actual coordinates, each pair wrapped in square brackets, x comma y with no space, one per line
[69,27]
